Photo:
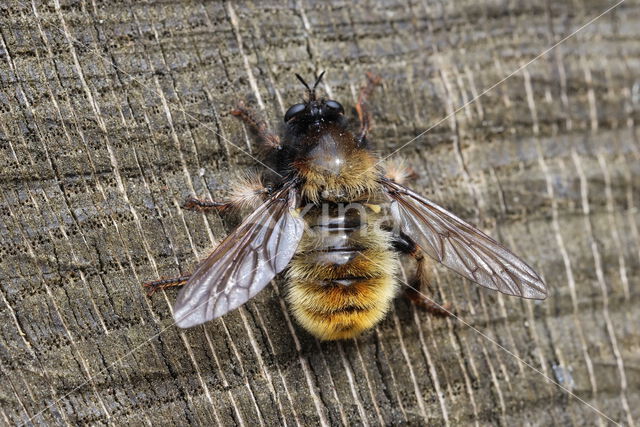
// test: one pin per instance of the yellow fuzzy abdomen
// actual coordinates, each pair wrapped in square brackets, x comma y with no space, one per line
[333,312]
[340,301]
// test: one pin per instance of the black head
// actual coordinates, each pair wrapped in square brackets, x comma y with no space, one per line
[313,110]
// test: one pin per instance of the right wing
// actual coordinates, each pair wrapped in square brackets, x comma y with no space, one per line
[460,246]
[244,263]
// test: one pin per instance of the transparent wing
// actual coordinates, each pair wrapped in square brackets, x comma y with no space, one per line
[244,263]
[460,246]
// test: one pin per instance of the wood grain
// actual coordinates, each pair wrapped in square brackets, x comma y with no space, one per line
[112,113]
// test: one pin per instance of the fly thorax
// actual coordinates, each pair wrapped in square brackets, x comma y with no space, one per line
[335,169]
[327,157]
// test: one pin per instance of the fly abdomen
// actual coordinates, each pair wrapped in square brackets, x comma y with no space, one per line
[334,257]
[341,278]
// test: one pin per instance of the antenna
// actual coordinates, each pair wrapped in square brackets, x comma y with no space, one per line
[302,81]
[311,91]
[318,80]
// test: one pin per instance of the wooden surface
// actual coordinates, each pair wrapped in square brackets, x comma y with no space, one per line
[112,112]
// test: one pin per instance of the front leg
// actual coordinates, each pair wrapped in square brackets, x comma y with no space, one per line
[361,106]
[405,245]
[257,126]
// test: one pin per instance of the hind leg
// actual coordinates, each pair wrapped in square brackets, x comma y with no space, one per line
[414,292]
[157,285]
[416,296]
[195,204]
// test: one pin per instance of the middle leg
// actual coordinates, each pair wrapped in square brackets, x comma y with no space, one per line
[246,191]
[195,204]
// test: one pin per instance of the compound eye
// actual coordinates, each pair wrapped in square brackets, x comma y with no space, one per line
[293,111]
[334,105]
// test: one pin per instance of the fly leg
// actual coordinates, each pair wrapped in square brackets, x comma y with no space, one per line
[157,285]
[257,126]
[195,204]
[248,191]
[361,107]
[397,171]
[418,298]
[405,245]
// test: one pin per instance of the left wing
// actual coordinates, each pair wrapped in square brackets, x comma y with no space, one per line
[460,246]
[244,263]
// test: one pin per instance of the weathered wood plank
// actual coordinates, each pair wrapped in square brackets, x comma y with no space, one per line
[111,113]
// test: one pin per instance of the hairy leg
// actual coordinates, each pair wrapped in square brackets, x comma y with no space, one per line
[397,171]
[361,107]
[414,292]
[247,191]
[259,127]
